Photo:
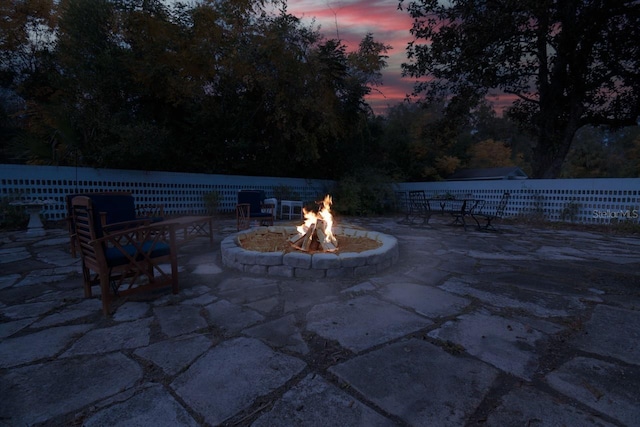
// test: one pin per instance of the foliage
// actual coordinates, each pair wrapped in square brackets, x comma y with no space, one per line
[419,143]
[567,64]
[284,192]
[12,217]
[599,153]
[570,211]
[230,87]
[214,87]
[489,154]
[211,202]
[363,192]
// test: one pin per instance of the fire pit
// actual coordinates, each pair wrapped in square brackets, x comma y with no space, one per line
[316,233]
[310,250]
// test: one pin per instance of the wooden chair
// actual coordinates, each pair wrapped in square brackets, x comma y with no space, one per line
[113,207]
[123,258]
[490,212]
[250,207]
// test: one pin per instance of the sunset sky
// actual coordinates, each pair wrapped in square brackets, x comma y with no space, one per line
[350,21]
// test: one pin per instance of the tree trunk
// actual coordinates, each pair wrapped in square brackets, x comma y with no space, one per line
[556,133]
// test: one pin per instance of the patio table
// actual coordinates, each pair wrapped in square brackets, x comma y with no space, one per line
[458,208]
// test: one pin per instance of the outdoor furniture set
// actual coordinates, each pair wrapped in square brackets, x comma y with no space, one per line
[252,207]
[419,206]
[124,253]
[126,249]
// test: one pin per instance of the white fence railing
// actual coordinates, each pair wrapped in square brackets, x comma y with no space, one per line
[180,193]
[580,200]
[591,201]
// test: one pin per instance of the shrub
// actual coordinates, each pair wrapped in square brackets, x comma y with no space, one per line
[363,192]
[12,217]
[211,202]
[284,192]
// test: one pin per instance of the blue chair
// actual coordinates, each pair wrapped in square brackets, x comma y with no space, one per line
[251,207]
[123,260]
[117,207]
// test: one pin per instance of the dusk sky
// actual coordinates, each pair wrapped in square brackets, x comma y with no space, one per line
[351,20]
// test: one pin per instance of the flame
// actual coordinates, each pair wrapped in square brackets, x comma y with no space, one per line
[324,214]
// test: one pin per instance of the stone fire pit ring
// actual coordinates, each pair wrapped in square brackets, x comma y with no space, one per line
[310,265]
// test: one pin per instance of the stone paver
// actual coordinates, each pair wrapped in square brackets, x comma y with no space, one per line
[314,402]
[229,377]
[601,385]
[504,343]
[527,406]
[519,327]
[152,406]
[613,332]
[36,393]
[419,382]
[363,322]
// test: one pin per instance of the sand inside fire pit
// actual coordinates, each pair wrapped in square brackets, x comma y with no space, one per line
[279,242]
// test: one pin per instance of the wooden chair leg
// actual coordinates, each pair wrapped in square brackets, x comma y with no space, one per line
[86,277]
[105,295]
[175,286]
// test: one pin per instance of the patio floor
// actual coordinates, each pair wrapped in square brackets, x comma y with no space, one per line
[516,328]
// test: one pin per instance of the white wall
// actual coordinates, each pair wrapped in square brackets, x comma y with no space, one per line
[598,200]
[180,193]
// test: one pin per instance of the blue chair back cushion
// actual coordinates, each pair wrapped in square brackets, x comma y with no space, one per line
[118,208]
[254,199]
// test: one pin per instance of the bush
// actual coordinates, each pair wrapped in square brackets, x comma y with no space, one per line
[211,202]
[570,211]
[364,192]
[12,217]
[284,192]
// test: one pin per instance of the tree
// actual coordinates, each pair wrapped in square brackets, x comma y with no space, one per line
[217,86]
[27,38]
[566,63]
[599,153]
[490,154]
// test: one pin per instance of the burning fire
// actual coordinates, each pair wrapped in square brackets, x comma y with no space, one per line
[318,224]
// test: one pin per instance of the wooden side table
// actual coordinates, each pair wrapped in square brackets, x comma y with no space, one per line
[190,227]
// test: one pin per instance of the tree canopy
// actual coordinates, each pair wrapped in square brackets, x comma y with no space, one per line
[243,87]
[566,64]
[212,86]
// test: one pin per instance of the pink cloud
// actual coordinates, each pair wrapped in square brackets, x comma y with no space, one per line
[351,20]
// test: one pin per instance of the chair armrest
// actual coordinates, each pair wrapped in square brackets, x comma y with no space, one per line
[124,225]
[137,245]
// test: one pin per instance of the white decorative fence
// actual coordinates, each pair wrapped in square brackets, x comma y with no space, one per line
[180,193]
[581,200]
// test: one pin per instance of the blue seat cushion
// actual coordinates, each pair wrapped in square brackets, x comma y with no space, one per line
[260,215]
[116,256]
